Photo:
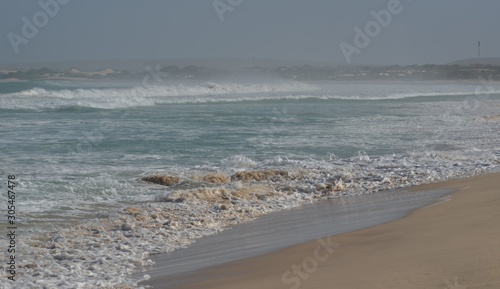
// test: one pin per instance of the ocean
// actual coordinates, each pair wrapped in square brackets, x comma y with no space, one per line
[79,150]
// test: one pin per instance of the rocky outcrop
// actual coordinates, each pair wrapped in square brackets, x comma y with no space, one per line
[264,175]
[163,180]
[213,178]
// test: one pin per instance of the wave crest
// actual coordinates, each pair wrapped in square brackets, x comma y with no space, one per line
[112,98]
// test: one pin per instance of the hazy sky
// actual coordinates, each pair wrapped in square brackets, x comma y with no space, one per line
[422,31]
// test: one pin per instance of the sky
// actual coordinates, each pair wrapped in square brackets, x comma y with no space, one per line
[343,31]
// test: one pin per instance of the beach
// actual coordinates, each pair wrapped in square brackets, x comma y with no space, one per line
[452,244]
[246,144]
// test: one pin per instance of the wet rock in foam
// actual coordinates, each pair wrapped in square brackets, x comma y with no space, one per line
[264,175]
[163,180]
[213,178]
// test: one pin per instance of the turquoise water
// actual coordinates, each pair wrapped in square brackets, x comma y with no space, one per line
[79,149]
[73,144]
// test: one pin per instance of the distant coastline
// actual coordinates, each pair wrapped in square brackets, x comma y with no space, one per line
[304,72]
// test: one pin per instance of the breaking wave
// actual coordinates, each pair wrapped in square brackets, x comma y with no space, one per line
[112,98]
[39,98]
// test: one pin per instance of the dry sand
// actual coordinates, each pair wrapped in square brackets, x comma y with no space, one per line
[451,245]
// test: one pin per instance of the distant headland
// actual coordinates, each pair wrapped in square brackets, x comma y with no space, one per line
[219,68]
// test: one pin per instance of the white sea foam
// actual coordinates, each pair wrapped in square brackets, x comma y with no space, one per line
[112,98]
[238,161]
[105,252]
[390,96]
[103,245]
[116,98]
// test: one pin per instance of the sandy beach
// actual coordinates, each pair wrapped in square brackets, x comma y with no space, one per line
[450,245]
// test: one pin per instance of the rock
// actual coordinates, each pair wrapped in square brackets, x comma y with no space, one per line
[215,179]
[266,175]
[163,180]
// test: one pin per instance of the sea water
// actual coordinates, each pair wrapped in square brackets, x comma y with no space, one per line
[79,149]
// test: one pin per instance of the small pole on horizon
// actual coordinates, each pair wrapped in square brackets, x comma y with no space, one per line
[478,52]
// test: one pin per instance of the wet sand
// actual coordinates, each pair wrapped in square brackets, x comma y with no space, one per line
[452,245]
[286,228]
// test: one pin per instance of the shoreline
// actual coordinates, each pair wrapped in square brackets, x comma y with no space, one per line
[397,254]
[281,229]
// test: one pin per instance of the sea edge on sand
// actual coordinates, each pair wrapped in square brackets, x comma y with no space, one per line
[252,272]
[452,184]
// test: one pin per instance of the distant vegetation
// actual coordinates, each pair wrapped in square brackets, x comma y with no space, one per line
[396,72]
[304,73]
[30,74]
